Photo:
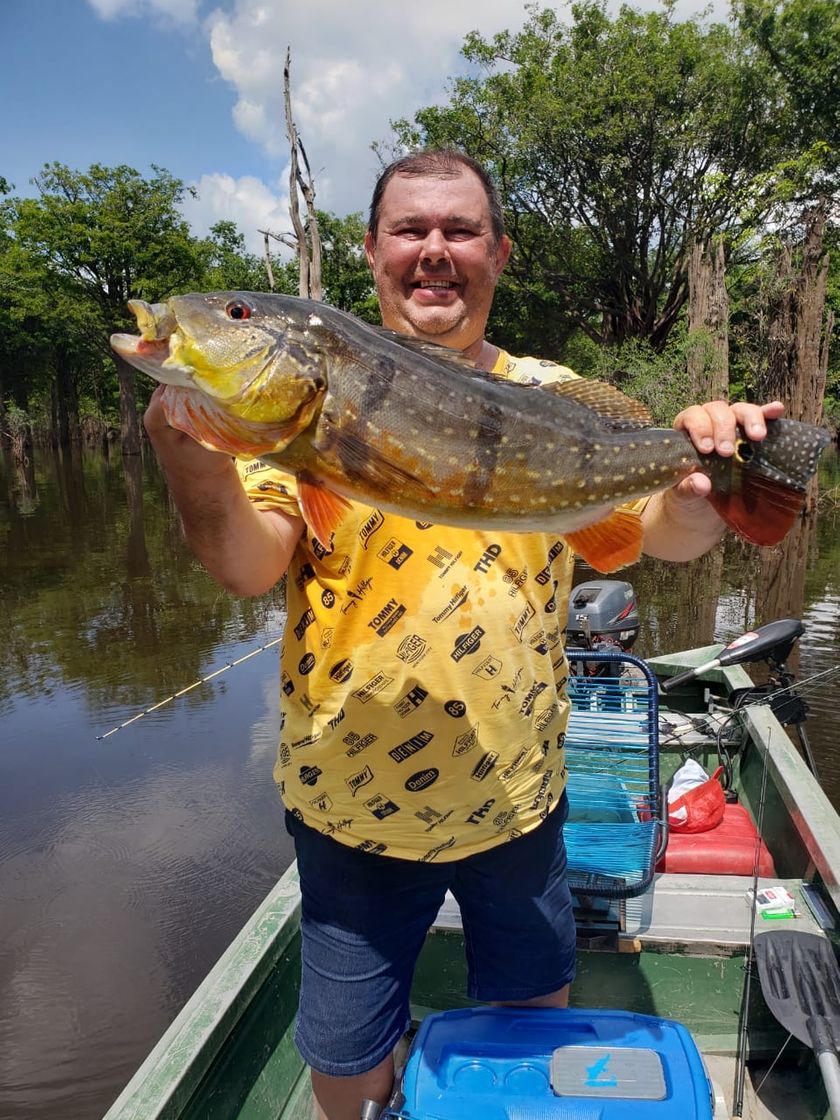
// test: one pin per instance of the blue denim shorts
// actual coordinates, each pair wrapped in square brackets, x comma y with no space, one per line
[364,919]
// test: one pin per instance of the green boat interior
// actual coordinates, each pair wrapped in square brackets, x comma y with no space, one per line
[671,937]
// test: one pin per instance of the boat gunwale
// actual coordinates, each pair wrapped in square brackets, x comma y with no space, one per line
[811,812]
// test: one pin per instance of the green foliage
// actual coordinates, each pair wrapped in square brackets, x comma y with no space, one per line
[346,277]
[227,265]
[657,377]
[617,142]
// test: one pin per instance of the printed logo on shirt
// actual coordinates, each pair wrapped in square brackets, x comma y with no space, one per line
[412,649]
[387,617]
[455,708]
[287,684]
[515,579]
[371,847]
[544,574]
[357,743]
[489,668]
[422,780]
[465,742]
[381,806]
[342,671]
[322,803]
[433,853]
[306,620]
[443,559]
[484,765]
[527,705]
[478,814]
[503,819]
[543,719]
[488,558]
[355,597]
[374,522]
[309,775]
[457,599]
[328,598]
[306,573]
[395,553]
[467,643]
[356,781]
[412,700]
[432,817]
[411,746]
[306,664]
[322,551]
[336,719]
[372,687]
[525,617]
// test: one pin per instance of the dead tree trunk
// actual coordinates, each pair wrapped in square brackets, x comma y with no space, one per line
[799,325]
[129,424]
[708,321]
[308,241]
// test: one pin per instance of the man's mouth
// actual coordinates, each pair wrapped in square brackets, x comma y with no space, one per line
[439,285]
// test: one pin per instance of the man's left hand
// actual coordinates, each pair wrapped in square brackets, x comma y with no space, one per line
[711,427]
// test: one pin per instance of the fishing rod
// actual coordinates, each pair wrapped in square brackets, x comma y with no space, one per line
[189,688]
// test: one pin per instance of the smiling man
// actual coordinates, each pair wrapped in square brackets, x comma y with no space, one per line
[414,757]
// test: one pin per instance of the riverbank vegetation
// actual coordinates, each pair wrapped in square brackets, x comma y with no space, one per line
[671,189]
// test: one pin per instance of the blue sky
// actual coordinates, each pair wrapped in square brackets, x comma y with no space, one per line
[195,86]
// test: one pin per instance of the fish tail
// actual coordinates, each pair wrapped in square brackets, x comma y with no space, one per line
[760,490]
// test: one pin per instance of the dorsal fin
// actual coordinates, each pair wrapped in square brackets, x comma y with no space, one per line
[611,406]
[431,350]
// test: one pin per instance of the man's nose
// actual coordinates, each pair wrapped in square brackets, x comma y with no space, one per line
[435,248]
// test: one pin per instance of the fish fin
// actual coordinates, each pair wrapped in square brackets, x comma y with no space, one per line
[191,411]
[610,544]
[761,510]
[433,350]
[359,460]
[322,509]
[760,491]
[616,411]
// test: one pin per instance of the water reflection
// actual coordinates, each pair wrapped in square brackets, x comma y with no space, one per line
[127,865]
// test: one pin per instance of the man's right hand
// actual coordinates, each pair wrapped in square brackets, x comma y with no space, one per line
[244,549]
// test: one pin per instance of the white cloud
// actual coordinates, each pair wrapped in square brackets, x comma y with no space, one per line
[247,201]
[178,11]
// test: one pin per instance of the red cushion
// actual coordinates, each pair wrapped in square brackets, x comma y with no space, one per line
[728,849]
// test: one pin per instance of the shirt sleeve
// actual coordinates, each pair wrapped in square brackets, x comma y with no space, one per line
[269,487]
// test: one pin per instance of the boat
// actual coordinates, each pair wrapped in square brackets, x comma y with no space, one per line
[681,949]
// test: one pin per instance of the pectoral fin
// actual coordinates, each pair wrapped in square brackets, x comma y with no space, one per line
[199,416]
[610,544]
[322,509]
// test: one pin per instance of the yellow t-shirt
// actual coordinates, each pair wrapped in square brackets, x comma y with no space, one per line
[422,675]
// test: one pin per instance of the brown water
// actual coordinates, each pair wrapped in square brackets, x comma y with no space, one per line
[128,863]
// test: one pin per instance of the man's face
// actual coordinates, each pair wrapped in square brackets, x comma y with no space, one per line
[435,260]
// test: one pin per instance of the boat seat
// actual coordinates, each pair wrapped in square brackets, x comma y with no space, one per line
[612,756]
[728,849]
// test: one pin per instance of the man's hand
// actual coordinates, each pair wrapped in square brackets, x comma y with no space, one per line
[679,524]
[244,549]
[712,428]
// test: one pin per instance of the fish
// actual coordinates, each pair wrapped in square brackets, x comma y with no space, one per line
[360,413]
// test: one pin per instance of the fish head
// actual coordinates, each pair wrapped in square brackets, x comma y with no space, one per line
[251,352]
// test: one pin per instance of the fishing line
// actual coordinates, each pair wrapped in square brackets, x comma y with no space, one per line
[189,688]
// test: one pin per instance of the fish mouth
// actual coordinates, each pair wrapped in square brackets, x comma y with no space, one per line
[151,351]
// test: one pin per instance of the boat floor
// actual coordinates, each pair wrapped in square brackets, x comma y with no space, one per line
[773,1096]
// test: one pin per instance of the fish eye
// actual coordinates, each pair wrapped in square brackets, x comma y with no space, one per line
[239,309]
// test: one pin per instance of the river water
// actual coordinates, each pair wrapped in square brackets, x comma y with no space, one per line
[128,862]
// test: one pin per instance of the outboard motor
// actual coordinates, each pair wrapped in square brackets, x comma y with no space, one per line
[603,615]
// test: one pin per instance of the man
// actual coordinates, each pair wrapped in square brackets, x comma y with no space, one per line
[423,673]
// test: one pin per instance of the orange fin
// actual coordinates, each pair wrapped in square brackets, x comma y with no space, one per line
[610,544]
[322,509]
[193,412]
[763,511]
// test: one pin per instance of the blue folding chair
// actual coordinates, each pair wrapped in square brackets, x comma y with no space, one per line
[615,831]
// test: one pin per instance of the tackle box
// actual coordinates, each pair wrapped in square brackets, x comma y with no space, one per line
[571,1064]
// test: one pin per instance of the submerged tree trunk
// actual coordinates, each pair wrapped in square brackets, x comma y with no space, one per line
[129,424]
[66,402]
[799,326]
[708,321]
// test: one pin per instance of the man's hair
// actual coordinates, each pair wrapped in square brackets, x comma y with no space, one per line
[441,163]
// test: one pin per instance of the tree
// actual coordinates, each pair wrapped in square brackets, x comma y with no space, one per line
[618,144]
[109,235]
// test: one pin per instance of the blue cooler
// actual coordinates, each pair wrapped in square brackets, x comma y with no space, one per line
[510,1064]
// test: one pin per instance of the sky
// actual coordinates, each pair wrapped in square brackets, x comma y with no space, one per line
[196,87]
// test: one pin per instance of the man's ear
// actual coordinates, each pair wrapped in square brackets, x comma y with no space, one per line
[503,253]
[370,250]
